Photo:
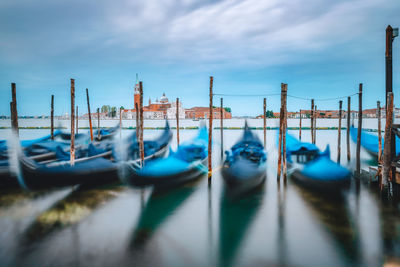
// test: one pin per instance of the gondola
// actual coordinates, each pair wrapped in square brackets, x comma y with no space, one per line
[101,165]
[244,168]
[98,135]
[184,165]
[311,168]
[370,142]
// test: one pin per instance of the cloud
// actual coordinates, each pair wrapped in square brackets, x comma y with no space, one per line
[225,32]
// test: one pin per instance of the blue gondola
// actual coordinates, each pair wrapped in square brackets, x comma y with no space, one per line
[184,165]
[370,142]
[245,165]
[100,163]
[314,169]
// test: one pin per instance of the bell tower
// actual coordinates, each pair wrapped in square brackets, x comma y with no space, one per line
[136,95]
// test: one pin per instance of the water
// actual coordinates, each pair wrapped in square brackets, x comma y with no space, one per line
[197,225]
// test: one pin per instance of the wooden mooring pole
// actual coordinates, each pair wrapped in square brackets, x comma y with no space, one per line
[141,144]
[315,124]
[14,114]
[137,121]
[120,122]
[348,128]
[72,145]
[300,127]
[98,124]
[52,118]
[90,115]
[177,121]
[210,120]
[387,150]
[222,127]
[358,150]
[378,109]
[339,132]
[265,122]
[284,133]
[77,119]
[312,121]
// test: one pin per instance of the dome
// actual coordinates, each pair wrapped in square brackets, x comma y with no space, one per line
[164,99]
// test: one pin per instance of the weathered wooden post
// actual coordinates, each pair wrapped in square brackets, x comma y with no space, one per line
[312,121]
[265,123]
[52,118]
[72,145]
[222,127]
[90,115]
[387,149]
[284,132]
[339,132]
[14,114]
[137,122]
[300,127]
[98,124]
[315,124]
[378,106]
[358,151]
[281,130]
[141,124]
[348,128]
[177,121]
[378,114]
[77,119]
[210,119]
[120,122]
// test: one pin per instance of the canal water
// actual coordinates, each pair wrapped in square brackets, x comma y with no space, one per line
[198,224]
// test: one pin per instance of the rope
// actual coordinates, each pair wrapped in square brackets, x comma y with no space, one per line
[292,96]
[322,99]
[246,95]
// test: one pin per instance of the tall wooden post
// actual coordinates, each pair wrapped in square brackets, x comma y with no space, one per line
[210,120]
[281,129]
[315,124]
[52,118]
[77,119]
[177,121]
[141,124]
[222,127]
[388,61]
[90,115]
[137,121]
[339,132]
[120,122]
[312,121]
[348,128]
[265,123]
[389,89]
[98,124]
[358,151]
[72,146]
[378,106]
[284,133]
[300,127]
[387,149]
[14,106]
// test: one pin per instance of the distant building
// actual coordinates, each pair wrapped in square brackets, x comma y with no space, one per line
[203,113]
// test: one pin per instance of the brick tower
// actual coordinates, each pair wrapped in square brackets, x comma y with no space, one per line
[136,94]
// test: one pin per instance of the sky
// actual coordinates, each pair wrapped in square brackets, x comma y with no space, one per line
[320,48]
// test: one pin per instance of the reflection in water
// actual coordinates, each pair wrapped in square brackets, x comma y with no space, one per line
[72,209]
[390,227]
[334,216]
[236,215]
[9,197]
[282,246]
[160,205]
